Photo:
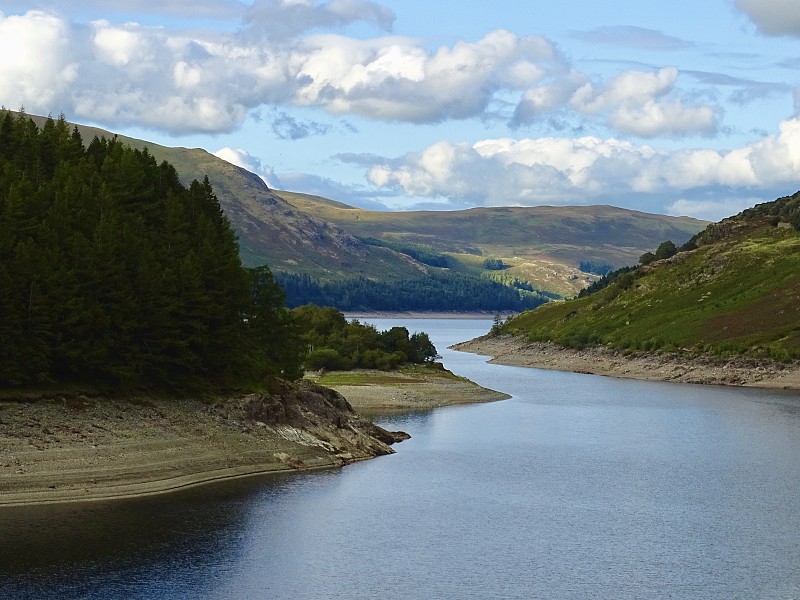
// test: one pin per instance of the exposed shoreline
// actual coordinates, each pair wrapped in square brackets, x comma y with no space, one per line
[422,315]
[81,448]
[514,351]
[410,389]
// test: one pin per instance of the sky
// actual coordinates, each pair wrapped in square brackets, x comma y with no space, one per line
[680,108]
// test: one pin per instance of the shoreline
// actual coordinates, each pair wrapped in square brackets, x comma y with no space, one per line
[705,370]
[374,393]
[91,448]
[422,315]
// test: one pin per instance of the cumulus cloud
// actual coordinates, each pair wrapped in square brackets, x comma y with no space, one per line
[586,170]
[636,102]
[395,78]
[773,17]
[131,74]
[190,81]
[242,158]
[25,78]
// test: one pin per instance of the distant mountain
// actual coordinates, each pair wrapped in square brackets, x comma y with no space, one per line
[542,248]
[544,245]
[733,291]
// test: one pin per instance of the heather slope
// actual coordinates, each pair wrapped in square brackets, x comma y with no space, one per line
[736,294]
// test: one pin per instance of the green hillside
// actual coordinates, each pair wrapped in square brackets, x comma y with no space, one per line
[736,293]
[536,251]
[543,245]
[271,231]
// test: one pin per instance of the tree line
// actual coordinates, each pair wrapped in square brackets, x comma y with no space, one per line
[333,343]
[445,291]
[113,272]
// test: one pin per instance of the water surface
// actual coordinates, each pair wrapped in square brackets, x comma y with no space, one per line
[578,487]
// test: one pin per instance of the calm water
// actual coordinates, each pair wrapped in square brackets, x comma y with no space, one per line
[578,487]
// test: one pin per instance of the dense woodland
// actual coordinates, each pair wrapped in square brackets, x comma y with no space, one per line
[334,343]
[113,272]
[439,291]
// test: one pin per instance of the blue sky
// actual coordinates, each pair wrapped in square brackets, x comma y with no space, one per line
[678,108]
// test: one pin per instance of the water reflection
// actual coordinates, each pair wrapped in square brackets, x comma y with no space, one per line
[577,487]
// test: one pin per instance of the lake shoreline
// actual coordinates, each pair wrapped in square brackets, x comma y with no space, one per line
[409,389]
[741,372]
[84,448]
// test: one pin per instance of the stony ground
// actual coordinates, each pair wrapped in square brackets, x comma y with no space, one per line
[88,447]
[510,350]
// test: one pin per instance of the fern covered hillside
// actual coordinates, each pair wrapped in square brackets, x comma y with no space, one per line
[733,290]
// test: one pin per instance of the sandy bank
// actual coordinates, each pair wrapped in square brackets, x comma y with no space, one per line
[411,388]
[95,448]
[508,350]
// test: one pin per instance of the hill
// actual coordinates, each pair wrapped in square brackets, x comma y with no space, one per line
[543,248]
[543,245]
[734,291]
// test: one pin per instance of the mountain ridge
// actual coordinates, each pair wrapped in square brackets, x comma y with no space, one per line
[314,238]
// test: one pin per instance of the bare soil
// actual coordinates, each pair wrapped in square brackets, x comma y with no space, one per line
[509,350]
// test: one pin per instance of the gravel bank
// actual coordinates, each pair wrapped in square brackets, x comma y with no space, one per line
[82,447]
[509,350]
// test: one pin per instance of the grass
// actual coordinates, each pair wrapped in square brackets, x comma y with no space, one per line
[405,375]
[739,297]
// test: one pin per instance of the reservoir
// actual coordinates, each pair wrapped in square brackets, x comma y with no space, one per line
[577,487]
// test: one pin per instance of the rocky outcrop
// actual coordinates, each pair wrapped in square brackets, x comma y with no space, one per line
[318,411]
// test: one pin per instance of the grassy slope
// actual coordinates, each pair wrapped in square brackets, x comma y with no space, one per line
[270,230]
[542,244]
[737,295]
[315,235]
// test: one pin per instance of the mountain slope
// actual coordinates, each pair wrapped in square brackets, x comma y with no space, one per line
[540,248]
[543,245]
[736,293]
[270,230]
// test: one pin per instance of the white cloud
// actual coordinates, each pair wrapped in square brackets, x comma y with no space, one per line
[37,67]
[132,74]
[396,79]
[773,17]
[588,169]
[632,100]
[245,160]
[711,210]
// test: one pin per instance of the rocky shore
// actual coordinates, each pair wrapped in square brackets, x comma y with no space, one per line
[510,350]
[85,447]
[89,447]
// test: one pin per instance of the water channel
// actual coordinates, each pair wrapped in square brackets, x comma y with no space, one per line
[578,487]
